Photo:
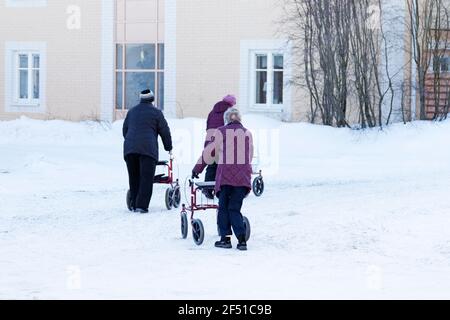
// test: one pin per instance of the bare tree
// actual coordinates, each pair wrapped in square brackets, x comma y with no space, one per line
[364,52]
[320,33]
[326,55]
[341,58]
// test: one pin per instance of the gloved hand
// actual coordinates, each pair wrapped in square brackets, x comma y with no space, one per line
[195,175]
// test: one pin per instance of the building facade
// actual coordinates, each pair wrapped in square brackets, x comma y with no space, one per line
[81,59]
[54,64]
[437,84]
[88,60]
[192,53]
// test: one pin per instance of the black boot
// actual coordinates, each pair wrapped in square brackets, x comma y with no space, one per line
[132,207]
[242,245]
[224,243]
[141,211]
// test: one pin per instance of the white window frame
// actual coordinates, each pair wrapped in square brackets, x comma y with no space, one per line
[13,102]
[247,91]
[446,56]
[30,101]
[25,3]
[431,68]
[269,105]
[157,71]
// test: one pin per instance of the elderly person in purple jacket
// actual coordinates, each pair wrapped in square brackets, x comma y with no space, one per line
[215,121]
[215,117]
[231,147]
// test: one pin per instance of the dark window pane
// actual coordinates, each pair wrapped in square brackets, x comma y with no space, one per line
[36,61]
[140,56]
[161,56]
[36,89]
[436,64]
[261,87]
[278,87]
[278,62]
[23,88]
[445,65]
[119,56]
[23,61]
[135,83]
[119,87]
[161,90]
[261,61]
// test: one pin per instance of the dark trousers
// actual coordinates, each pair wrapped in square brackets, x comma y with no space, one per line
[210,175]
[230,204]
[211,171]
[141,172]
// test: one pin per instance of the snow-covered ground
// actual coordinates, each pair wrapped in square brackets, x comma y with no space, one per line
[345,214]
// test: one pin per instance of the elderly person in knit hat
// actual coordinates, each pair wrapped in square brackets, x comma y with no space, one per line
[233,146]
[215,117]
[215,120]
[141,128]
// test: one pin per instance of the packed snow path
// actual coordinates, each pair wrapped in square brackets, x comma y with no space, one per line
[347,215]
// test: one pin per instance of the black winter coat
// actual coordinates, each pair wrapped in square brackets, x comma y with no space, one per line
[141,128]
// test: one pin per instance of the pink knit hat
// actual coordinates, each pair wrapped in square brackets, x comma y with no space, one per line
[230,99]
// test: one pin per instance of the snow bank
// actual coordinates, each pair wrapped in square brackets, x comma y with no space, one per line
[345,214]
[420,146]
[33,132]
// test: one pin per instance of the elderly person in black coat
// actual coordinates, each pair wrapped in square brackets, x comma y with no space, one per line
[142,126]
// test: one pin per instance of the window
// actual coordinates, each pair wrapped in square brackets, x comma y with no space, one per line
[25,76]
[140,56]
[440,64]
[265,71]
[261,79]
[139,67]
[27,85]
[268,79]
[445,64]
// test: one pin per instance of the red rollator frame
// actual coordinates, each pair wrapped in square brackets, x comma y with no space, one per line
[173,192]
[198,231]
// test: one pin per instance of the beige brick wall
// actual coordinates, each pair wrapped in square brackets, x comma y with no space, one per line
[73,86]
[209,34]
[140,21]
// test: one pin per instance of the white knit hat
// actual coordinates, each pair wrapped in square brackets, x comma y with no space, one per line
[232,114]
[147,94]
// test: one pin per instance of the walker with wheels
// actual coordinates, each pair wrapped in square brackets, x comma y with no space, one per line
[173,192]
[198,231]
[258,183]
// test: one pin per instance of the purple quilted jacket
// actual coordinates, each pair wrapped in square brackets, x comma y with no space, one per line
[235,164]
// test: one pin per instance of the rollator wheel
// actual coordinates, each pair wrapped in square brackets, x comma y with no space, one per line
[176,197]
[258,186]
[198,232]
[169,198]
[129,200]
[184,225]
[248,229]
